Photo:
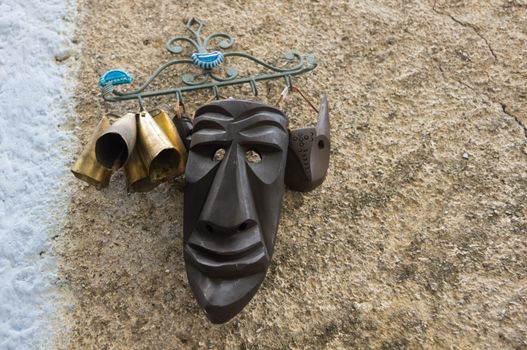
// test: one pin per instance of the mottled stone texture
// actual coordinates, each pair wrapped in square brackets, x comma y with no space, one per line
[417,239]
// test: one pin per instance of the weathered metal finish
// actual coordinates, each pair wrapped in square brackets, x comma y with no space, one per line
[232,205]
[308,155]
[86,167]
[158,154]
[115,145]
[167,125]
[136,174]
[209,76]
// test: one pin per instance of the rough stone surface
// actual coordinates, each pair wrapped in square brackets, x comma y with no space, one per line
[417,239]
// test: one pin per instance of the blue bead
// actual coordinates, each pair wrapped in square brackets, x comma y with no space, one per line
[115,77]
[208,60]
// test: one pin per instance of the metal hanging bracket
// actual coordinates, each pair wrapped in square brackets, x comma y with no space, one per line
[208,62]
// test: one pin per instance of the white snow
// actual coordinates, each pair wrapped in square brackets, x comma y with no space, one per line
[33,164]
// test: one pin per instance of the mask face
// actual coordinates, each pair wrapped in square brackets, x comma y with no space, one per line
[232,202]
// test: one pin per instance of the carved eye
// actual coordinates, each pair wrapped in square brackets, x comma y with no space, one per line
[253,157]
[321,144]
[219,155]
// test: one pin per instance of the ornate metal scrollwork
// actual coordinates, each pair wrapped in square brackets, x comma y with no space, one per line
[208,61]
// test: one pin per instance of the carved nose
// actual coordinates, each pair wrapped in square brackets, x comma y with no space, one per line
[229,207]
[213,228]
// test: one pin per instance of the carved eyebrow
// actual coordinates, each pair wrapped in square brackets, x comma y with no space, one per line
[209,124]
[260,126]
[264,134]
[269,144]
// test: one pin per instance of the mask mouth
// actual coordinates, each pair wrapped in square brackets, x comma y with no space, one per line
[236,255]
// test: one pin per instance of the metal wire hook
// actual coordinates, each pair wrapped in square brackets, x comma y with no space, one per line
[141,103]
[177,108]
[216,91]
[254,89]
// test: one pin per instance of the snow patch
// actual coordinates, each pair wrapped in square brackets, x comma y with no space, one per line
[34,155]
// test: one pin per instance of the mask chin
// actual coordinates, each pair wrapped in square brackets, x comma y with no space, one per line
[308,153]
[222,299]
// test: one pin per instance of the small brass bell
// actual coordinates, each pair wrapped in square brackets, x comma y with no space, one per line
[137,179]
[86,167]
[167,125]
[159,156]
[115,145]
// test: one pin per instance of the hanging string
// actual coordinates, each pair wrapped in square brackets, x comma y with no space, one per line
[285,92]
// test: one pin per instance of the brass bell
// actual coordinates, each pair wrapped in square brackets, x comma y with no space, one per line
[159,156]
[115,145]
[86,167]
[166,124]
[136,173]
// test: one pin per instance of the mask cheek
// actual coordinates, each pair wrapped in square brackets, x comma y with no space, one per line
[198,166]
